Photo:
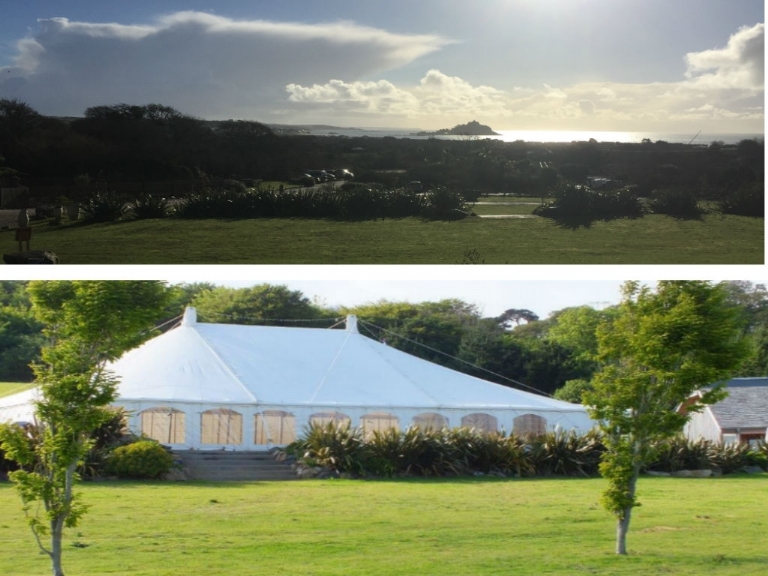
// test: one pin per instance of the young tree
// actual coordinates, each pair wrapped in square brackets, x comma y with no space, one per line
[87,325]
[660,347]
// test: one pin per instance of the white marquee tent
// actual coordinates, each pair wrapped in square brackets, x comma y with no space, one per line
[239,387]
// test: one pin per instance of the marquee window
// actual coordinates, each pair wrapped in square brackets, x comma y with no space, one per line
[480,422]
[323,418]
[274,427]
[430,421]
[378,422]
[529,424]
[221,426]
[166,425]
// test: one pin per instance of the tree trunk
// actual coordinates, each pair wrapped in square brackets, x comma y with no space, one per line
[57,525]
[57,531]
[622,526]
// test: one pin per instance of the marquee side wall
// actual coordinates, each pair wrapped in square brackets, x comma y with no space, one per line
[193,420]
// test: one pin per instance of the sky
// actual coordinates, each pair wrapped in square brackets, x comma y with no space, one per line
[625,65]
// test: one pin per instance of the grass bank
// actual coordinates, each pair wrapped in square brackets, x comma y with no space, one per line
[7,388]
[473,526]
[653,239]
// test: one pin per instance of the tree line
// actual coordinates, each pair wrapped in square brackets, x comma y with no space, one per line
[153,142]
[557,355]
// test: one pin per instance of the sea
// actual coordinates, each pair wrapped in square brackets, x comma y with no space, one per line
[702,138]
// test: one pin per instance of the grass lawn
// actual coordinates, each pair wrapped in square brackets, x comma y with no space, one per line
[476,527]
[654,239]
[13,387]
[505,205]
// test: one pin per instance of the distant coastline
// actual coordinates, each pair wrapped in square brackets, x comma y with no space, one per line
[537,136]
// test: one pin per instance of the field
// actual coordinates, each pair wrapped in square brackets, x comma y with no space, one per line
[7,388]
[478,526]
[653,239]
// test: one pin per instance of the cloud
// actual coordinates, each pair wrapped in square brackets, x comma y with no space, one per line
[200,63]
[740,65]
[336,72]
[380,97]
[587,106]
[720,85]
[436,94]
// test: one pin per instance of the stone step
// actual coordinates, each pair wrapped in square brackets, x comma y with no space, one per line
[222,465]
[228,457]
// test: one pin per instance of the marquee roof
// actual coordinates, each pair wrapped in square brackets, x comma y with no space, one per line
[225,363]
[266,365]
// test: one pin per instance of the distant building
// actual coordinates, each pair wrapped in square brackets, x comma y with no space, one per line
[741,417]
[11,190]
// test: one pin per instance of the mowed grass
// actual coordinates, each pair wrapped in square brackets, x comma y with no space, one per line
[408,527]
[654,239]
[7,388]
[505,205]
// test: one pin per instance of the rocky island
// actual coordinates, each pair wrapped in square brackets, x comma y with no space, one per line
[473,128]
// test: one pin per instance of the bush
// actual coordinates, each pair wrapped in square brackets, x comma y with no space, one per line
[731,458]
[350,202]
[492,453]
[746,200]
[103,207]
[575,205]
[6,465]
[332,445]
[149,206]
[212,203]
[412,452]
[565,453]
[679,203]
[448,452]
[142,459]
[444,204]
[105,438]
[680,453]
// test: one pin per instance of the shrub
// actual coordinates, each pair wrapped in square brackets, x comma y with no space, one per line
[493,453]
[350,202]
[680,203]
[332,445]
[575,205]
[103,207]
[105,439]
[680,453]
[30,433]
[733,457]
[444,204]
[746,200]
[6,465]
[565,453]
[448,452]
[211,203]
[414,452]
[759,456]
[142,459]
[149,206]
